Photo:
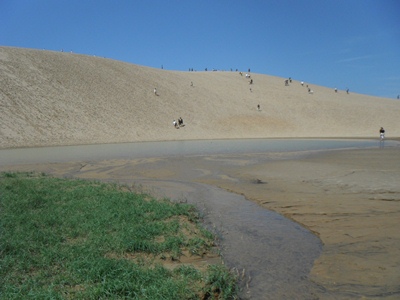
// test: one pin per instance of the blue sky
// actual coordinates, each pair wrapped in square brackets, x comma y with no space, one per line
[351,44]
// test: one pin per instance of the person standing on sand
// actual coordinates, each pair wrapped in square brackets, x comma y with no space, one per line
[155,91]
[382,133]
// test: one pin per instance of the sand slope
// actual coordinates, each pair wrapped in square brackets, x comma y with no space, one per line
[56,98]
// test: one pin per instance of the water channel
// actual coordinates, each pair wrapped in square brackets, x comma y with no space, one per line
[274,254]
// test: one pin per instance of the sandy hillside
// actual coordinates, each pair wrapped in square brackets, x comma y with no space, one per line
[58,98]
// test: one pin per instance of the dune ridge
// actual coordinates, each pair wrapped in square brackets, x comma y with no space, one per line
[52,98]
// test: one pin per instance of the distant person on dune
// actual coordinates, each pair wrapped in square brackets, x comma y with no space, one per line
[155,92]
[382,133]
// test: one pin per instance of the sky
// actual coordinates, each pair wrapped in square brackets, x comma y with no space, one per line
[347,44]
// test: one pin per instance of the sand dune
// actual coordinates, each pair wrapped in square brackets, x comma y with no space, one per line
[57,98]
[349,198]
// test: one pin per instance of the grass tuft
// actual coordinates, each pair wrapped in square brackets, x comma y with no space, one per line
[75,239]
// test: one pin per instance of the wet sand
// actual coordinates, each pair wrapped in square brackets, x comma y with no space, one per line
[350,199]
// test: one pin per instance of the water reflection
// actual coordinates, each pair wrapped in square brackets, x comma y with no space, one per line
[173,148]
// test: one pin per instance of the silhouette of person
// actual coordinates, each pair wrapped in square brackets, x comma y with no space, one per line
[382,133]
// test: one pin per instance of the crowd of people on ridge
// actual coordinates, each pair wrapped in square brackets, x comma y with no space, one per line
[179,123]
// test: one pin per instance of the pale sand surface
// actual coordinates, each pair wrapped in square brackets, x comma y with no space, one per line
[53,98]
[350,199]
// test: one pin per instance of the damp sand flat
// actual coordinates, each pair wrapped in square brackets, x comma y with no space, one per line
[293,185]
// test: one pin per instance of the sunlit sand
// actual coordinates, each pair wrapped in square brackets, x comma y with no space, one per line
[349,199]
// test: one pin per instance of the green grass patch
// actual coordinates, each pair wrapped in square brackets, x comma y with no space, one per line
[76,239]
